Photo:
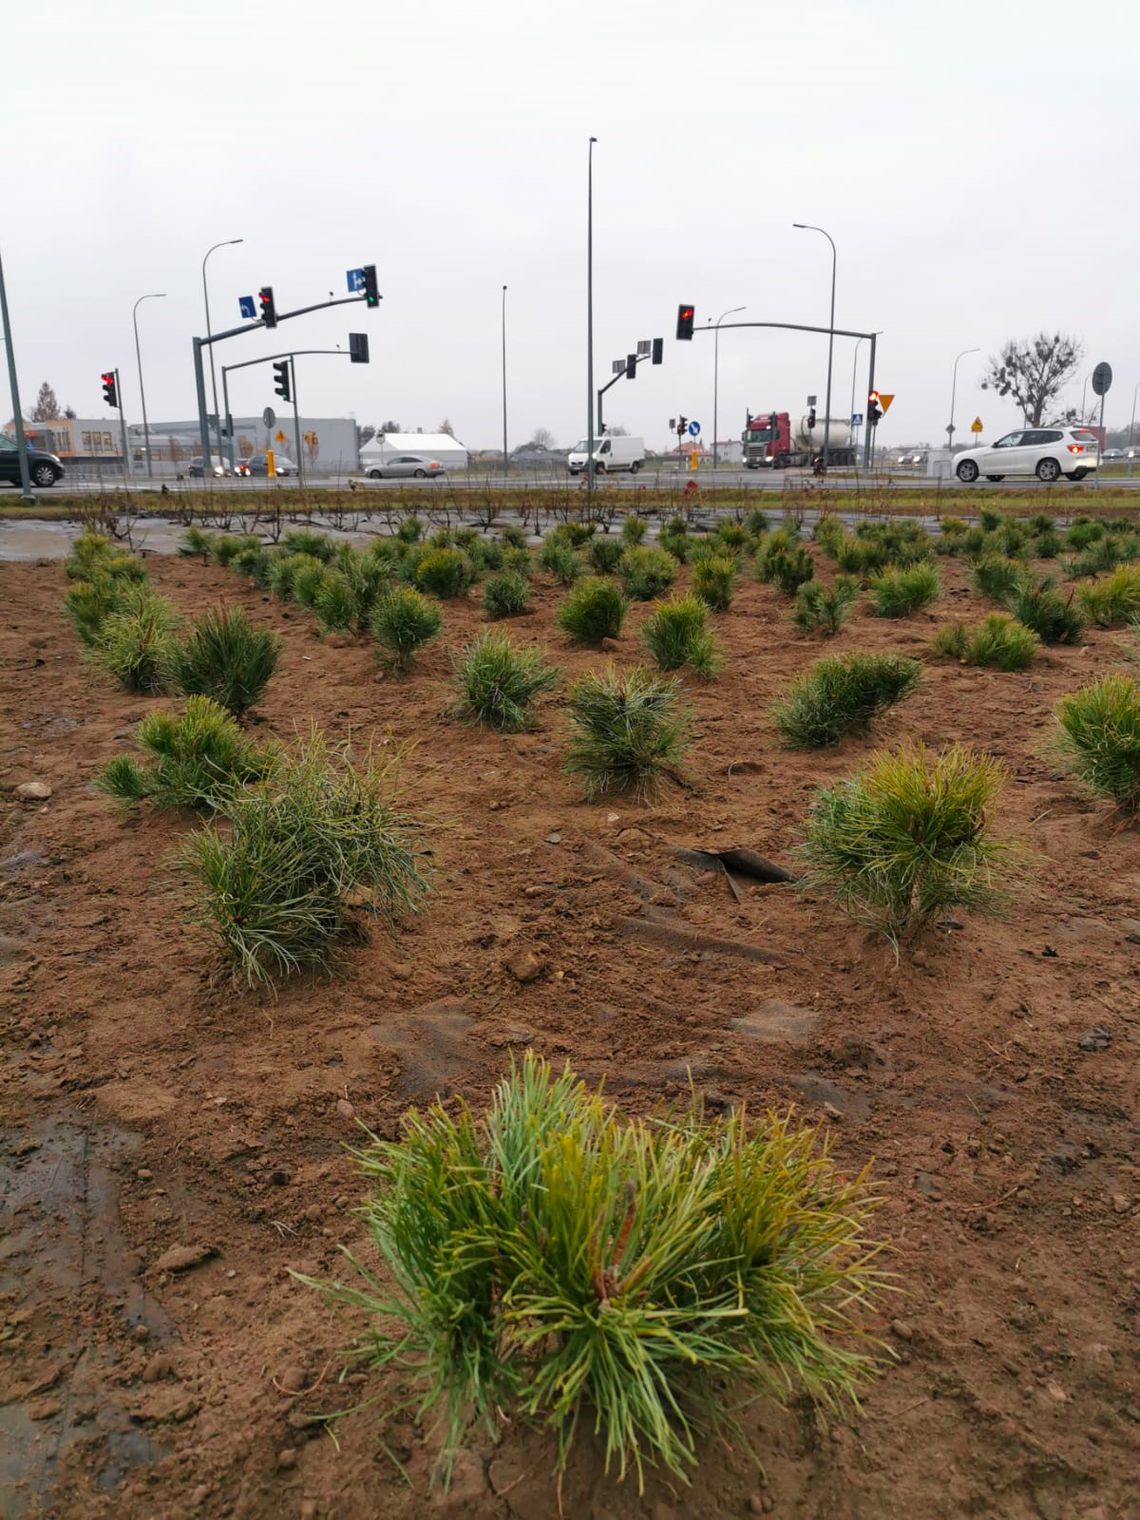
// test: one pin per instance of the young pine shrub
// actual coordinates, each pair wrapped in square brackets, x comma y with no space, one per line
[896,593]
[675,540]
[841,695]
[410,530]
[506,595]
[556,1263]
[558,558]
[315,840]
[824,609]
[909,838]
[225,657]
[1082,532]
[138,644]
[1114,600]
[782,541]
[305,581]
[632,531]
[756,523]
[485,554]
[1101,555]
[194,759]
[1100,738]
[949,642]
[677,634]
[514,536]
[335,602]
[990,519]
[646,573]
[497,682]
[714,581]
[996,576]
[90,603]
[226,547]
[1045,545]
[858,556]
[518,561]
[445,573]
[255,565]
[1002,642]
[829,533]
[93,554]
[196,541]
[1051,615]
[594,610]
[402,620]
[573,533]
[306,541]
[629,731]
[733,537]
[284,567]
[605,552]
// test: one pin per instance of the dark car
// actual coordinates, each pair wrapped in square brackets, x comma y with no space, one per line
[258,465]
[44,469]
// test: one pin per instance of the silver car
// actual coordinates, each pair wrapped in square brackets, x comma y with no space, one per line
[404,467]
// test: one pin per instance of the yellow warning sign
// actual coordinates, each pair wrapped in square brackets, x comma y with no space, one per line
[976,425]
[885,399]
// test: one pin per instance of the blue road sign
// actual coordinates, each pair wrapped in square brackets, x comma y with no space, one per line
[694,429]
[856,419]
[355,280]
[246,306]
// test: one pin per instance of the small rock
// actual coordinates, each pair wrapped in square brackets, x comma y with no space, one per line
[182,1258]
[554,838]
[44,1409]
[345,1109]
[611,646]
[831,1112]
[919,957]
[33,791]
[287,1458]
[26,1147]
[314,1213]
[1120,1204]
[292,1379]
[144,1174]
[902,1330]
[525,966]
[1056,1392]
[756,1504]
[141,1333]
[612,818]
[1095,1039]
[535,892]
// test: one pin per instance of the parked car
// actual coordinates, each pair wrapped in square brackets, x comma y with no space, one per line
[218,467]
[1047,453]
[404,467]
[44,469]
[612,452]
[259,465]
[1111,454]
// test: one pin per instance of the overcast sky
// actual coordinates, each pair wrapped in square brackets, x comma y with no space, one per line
[974,162]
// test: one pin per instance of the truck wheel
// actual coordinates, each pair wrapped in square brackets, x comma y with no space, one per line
[635,466]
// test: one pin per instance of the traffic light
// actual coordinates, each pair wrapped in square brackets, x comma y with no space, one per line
[111,388]
[631,366]
[358,348]
[811,419]
[874,408]
[281,375]
[658,350]
[682,424]
[685,316]
[268,309]
[773,423]
[371,294]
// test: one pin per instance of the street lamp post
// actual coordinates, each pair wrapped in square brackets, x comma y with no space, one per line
[227,243]
[1132,424]
[158,295]
[14,386]
[590,330]
[716,374]
[953,395]
[807,227]
[1084,394]
[504,379]
[851,413]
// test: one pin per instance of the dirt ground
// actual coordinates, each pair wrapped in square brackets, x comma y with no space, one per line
[148,1103]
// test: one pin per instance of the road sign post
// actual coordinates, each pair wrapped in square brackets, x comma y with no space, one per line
[976,428]
[1101,380]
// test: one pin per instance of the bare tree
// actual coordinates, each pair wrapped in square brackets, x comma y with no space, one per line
[542,438]
[364,435]
[618,431]
[446,426]
[46,408]
[389,427]
[70,413]
[1034,371]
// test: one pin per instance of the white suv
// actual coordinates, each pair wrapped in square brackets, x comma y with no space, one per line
[1047,452]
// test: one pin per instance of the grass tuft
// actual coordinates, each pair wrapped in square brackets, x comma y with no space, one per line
[225,657]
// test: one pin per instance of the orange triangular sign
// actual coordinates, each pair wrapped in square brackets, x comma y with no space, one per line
[885,400]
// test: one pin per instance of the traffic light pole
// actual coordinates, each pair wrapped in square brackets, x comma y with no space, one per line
[122,424]
[621,375]
[17,415]
[232,332]
[296,421]
[869,431]
[269,358]
[841,332]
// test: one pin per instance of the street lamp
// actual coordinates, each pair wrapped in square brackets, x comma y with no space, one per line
[807,227]
[851,413]
[504,379]
[1132,424]
[158,295]
[227,243]
[1084,393]
[590,329]
[953,394]
[716,372]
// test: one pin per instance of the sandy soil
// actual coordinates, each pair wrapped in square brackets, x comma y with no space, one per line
[149,1104]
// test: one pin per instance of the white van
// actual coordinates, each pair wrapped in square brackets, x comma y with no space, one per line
[610,454]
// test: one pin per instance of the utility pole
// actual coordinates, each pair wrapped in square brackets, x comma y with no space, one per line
[807,227]
[155,296]
[14,387]
[505,456]
[590,330]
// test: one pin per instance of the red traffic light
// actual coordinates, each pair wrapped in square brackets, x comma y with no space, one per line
[268,308]
[685,316]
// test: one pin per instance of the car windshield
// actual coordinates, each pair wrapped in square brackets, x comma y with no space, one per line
[582,446]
